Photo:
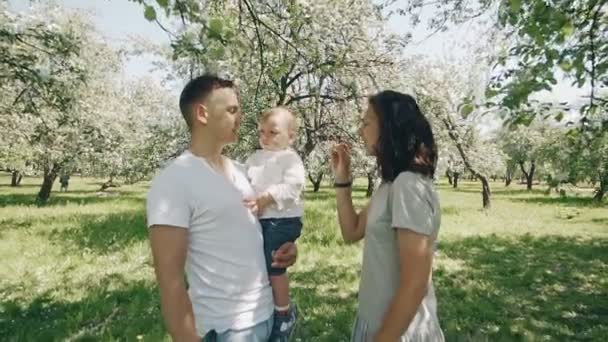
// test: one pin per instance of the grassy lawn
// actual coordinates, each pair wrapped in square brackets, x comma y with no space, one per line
[534,268]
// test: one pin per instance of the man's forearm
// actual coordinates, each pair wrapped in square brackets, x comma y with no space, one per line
[178,314]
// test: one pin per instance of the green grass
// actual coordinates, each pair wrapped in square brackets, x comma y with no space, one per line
[533,268]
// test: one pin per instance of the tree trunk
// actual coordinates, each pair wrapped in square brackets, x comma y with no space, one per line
[109,184]
[531,179]
[456,139]
[371,184]
[316,182]
[449,175]
[16,178]
[508,178]
[309,146]
[455,180]
[485,192]
[50,174]
[599,196]
[529,175]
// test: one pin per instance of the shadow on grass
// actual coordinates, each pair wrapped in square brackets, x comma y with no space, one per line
[600,220]
[123,312]
[525,288]
[569,201]
[326,193]
[320,196]
[20,186]
[507,289]
[503,191]
[60,199]
[327,311]
[104,233]
[128,310]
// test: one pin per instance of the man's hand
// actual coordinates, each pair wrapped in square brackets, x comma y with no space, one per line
[285,256]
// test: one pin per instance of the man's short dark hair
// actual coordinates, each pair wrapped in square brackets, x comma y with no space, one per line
[196,90]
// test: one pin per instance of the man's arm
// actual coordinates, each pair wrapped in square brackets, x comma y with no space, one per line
[169,247]
[285,256]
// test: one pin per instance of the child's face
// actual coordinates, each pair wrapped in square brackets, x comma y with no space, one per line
[275,132]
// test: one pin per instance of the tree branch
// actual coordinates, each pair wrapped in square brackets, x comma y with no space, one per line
[261,48]
[261,22]
[593,58]
[323,96]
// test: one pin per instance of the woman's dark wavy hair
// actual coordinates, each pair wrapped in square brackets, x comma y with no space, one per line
[406,141]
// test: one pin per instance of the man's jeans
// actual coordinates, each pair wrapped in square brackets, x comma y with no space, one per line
[259,333]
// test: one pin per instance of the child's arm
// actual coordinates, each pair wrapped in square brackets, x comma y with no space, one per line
[290,189]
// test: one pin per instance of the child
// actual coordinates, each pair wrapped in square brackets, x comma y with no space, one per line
[277,175]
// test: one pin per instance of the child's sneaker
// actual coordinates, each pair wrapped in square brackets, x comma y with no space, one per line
[284,323]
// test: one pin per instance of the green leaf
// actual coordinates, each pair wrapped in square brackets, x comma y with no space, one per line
[216,52]
[163,3]
[150,13]
[515,5]
[467,109]
[559,116]
[491,93]
[215,24]
[566,66]
[567,29]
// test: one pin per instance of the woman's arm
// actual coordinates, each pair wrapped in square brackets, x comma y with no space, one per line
[352,224]
[416,259]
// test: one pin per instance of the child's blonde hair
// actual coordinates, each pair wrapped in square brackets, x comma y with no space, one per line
[293,122]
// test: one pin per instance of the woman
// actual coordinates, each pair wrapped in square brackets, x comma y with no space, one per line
[400,223]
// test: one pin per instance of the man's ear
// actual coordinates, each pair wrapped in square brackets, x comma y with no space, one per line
[201,113]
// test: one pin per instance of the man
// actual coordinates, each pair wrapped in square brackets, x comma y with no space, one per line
[64,180]
[201,215]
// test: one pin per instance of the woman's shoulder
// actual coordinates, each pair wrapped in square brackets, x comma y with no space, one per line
[414,184]
[409,177]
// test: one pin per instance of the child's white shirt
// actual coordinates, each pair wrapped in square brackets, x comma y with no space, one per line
[282,175]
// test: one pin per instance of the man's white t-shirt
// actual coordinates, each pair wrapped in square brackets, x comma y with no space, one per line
[225,267]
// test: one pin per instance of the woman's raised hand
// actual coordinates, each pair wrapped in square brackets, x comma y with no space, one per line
[340,162]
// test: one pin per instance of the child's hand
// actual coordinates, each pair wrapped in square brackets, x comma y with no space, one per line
[252,205]
[264,202]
